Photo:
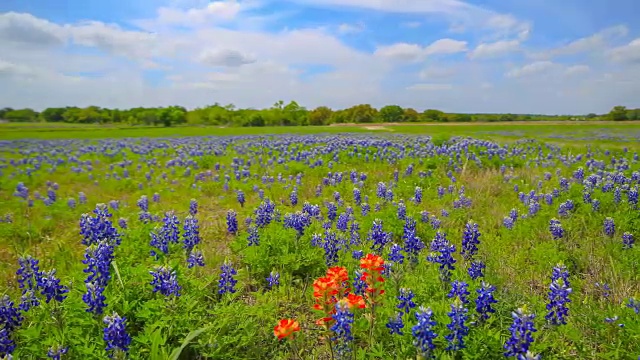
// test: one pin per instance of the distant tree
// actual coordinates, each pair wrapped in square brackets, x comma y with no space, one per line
[462,118]
[591,116]
[362,113]
[320,115]
[53,114]
[21,115]
[411,115]
[391,113]
[618,113]
[433,115]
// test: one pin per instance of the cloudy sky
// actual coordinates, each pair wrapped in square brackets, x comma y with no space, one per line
[538,56]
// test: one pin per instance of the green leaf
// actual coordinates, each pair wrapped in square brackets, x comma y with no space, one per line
[175,354]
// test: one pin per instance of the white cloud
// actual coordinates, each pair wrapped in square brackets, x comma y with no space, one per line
[225,57]
[26,29]
[577,69]
[405,52]
[629,53]
[436,73]
[215,11]
[430,87]
[350,28]
[537,67]
[595,42]
[495,49]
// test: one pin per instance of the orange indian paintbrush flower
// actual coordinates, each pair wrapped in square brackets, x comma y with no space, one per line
[286,328]
[372,262]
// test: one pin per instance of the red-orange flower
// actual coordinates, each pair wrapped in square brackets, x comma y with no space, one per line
[324,287]
[354,300]
[372,262]
[340,276]
[373,283]
[286,328]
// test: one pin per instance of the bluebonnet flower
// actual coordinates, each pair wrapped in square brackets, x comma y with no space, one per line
[165,281]
[604,289]
[555,227]
[21,191]
[143,203]
[508,222]
[424,216]
[417,195]
[298,221]
[115,334]
[627,240]
[191,233]
[156,198]
[227,282]
[50,287]
[632,197]
[405,300]
[82,198]
[240,197]
[595,204]
[357,254]
[396,254]
[293,197]
[565,207]
[28,300]
[29,273]
[71,203]
[609,227]
[337,196]
[332,211]
[254,237]
[264,214]
[476,269]
[402,211]
[357,197]
[7,346]
[365,208]
[435,222]
[354,231]
[195,258]
[513,214]
[94,297]
[459,290]
[484,300]
[442,253]
[470,240]
[522,330]
[56,352]
[395,324]
[634,305]
[273,279]
[122,222]
[51,196]
[331,247]
[232,222]
[359,285]
[441,191]
[341,328]
[423,333]
[343,222]
[378,236]
[617,195]
[10,317]
[444,213]
[412,243]
[193,207]
[381,190]
[534,207]
[98,227]
[457,327]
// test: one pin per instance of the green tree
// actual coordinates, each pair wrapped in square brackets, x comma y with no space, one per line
[411,115]
[391,114]
[21,115]
[618,113]
[433,115]
[320,115]
[53,114]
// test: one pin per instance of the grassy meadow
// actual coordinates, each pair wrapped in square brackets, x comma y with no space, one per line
[478,241]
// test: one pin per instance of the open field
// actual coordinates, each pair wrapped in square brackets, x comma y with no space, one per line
[408,241]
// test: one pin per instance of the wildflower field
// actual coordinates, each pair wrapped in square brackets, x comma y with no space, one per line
[321,246]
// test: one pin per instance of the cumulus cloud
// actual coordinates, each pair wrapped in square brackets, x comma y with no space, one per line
[225,57]
[534,68]
[26,29]
[629,53]
[405,52]
[494,49]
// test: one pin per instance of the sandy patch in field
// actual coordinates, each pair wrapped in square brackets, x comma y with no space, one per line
[377,128]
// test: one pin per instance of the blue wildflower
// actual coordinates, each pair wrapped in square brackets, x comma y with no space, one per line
[423,333]
[195,258]
[115,335]
[405,299]
[522,330]
[484,300]
[227,282]
[395,324]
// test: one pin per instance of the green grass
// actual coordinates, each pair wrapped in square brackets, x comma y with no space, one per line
[201,324]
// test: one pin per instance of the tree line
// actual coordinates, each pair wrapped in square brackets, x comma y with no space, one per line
[280,114]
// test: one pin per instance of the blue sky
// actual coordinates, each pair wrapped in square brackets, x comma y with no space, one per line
[538,56]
